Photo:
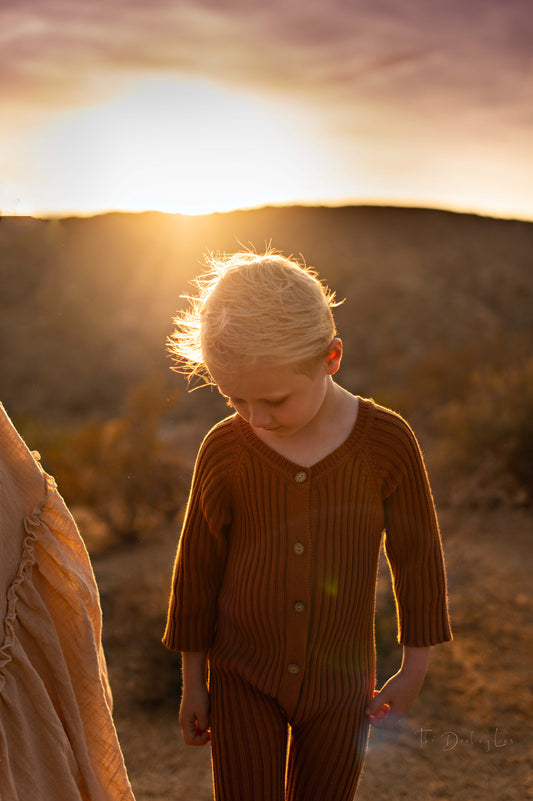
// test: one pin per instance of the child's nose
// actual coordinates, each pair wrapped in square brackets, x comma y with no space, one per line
[258,417]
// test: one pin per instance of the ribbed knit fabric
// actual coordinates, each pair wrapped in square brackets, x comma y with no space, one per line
[276,568]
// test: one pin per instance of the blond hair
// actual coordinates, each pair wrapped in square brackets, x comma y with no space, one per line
[252,308]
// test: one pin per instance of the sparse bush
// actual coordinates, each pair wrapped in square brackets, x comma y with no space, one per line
[490,433]
[121,468]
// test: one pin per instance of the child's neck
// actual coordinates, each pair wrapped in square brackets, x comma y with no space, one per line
[323,435]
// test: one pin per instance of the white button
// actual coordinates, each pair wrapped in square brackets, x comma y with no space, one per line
[300,476]
[299,606]
[299,548]
[293,668]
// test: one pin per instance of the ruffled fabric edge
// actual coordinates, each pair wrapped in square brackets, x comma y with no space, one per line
[27,561]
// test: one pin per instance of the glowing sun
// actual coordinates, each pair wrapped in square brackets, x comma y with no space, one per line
[175,146]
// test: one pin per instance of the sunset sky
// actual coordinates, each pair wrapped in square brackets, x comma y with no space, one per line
[210,105]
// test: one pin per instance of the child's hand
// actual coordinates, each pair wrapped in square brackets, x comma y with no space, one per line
[388,707]
[395,699]
[194,716]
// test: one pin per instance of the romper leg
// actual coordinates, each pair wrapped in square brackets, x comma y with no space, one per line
[326,755]
[249,734]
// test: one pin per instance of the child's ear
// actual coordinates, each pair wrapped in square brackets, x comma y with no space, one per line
[333,361]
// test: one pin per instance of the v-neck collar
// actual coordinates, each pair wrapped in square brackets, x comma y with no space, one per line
[353,441]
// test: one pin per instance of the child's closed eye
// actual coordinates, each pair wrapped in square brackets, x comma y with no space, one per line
[277,402]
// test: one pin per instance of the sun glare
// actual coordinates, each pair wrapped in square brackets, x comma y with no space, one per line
[193,147]
[172,146]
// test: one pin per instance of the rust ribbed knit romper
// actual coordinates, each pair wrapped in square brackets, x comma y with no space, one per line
[275,576]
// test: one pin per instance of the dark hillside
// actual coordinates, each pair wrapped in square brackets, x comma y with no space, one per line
[86,303]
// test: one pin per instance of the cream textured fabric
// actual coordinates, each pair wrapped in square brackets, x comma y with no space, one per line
[57,737]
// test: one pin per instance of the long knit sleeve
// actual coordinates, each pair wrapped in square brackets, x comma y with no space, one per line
[412,540]
[201,555]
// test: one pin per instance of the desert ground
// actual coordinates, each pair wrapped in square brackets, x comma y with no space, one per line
[469,735]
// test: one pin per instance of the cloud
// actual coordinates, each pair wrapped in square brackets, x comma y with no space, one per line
[388,82]
[372,49]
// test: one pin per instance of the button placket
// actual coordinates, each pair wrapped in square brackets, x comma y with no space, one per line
[297,597]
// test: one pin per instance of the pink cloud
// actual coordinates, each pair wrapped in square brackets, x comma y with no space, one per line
[451,57]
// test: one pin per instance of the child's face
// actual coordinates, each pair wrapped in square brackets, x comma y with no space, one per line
[276,398]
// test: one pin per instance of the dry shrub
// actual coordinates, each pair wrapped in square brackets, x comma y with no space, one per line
[122,469]
[488,436]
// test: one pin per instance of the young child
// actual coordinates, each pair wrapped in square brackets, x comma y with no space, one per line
[272,602]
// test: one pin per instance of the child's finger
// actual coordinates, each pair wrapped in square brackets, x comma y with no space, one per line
[203,722]
[193,734]
[202,736]
[377,706]
[381,715]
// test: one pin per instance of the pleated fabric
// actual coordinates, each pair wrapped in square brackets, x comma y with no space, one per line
[276,568]
[57,737]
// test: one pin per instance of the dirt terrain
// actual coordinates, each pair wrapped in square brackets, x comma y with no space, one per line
[470,733]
